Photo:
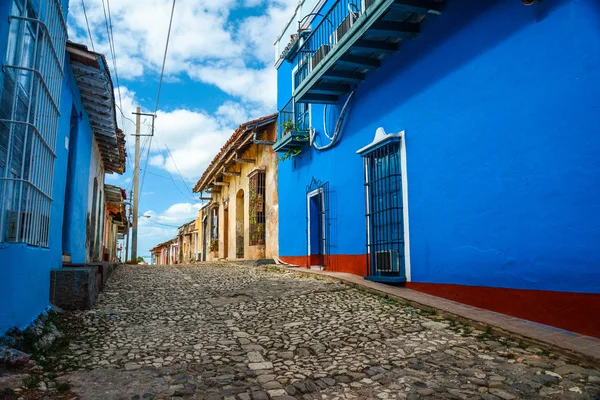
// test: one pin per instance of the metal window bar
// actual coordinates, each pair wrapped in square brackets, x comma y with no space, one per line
[297,113]
[257,209]
[31,85]
[330,29]
[385,227]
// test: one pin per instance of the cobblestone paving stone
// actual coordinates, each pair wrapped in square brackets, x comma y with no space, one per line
[218,331]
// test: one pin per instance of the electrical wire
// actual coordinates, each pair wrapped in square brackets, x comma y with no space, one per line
[176,167]
[166,177]
[162,72]
[88,25]
[164,58]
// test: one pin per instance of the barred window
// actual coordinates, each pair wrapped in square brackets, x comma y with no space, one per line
[30,87]
[215,223]
[257,207]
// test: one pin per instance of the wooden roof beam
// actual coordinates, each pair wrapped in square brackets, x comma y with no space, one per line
[375,46]
[419,6]
[245,160]
[344,76]
[328,88]
[399,30]
[231,173]
[359,62]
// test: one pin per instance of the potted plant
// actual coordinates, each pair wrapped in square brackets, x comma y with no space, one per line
[260,231]
[214,245]
[288,126]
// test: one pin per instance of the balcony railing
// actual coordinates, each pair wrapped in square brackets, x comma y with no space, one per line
[332,27]
[351,39]
[293,126]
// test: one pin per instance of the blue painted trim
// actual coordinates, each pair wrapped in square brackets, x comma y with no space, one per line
[386,279]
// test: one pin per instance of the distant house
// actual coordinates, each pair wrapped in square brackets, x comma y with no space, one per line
[58,137]
[115,221]
[187,236]
[240,222]
[160,253]
[449,146]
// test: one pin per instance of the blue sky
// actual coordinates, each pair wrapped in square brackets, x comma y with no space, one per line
[219,73]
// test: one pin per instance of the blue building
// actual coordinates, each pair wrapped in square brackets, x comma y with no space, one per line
[450,146]
[58,136]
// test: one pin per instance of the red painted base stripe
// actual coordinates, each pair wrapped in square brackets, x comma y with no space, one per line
[350,263]
[576,312]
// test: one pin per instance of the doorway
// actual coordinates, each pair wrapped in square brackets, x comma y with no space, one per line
[239,224]
[317,225]
[205,236]
[70,185]
[226,233]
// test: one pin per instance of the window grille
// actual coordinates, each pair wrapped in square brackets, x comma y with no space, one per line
[385,238]
[215,223]
[257,208]
[30,86]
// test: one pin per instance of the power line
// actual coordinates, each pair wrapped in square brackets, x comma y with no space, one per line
[111,43]
[164,57]
[166,177]
[158,223]
[162,72]
[88,25]
[179,172]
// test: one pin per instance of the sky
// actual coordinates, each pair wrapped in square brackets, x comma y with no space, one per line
[219,73]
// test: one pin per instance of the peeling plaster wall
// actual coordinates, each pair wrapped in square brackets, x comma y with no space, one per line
[265,157]
[95,228]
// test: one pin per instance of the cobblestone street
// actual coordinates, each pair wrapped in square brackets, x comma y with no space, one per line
[235,332]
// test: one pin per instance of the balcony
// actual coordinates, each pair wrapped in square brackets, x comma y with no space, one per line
[293,128]
[350,40]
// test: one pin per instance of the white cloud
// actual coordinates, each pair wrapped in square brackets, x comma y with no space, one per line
[206,43]
[176,214]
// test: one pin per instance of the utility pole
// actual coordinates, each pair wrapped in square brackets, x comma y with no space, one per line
[136,194]
[127,232]
[136,179]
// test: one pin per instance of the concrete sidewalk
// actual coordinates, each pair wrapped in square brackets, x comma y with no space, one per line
[566,342]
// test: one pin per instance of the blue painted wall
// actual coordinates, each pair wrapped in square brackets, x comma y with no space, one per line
[25,283]
[501,107]
[77,189]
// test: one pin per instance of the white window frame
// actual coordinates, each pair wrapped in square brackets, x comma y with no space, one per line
[309,196]
[380,137]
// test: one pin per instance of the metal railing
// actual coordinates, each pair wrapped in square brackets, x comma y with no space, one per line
[331,28]
[296,114]
[29,112]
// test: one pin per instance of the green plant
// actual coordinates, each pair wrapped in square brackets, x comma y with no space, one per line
[32,381]
[288,126]
[214,245]
[290,154]
[63,387]
[467,330]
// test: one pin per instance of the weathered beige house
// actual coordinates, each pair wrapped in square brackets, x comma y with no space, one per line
[241,219]
[187,235]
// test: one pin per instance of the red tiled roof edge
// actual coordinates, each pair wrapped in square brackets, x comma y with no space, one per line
[228,147]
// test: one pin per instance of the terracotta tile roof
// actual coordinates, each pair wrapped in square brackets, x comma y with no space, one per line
[230,146]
